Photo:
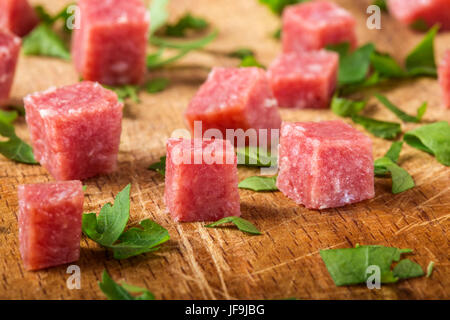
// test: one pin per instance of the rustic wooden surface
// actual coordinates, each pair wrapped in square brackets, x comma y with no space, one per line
[200,263]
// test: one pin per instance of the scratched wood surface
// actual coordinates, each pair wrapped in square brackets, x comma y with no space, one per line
[200,263]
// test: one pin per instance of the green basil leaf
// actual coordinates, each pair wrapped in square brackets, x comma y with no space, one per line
[381,129]
[8,116]
[43,41]
[400,113]
[354,67]
[349,266]
[432,138]
[186,23]
[421,62]
[110,223]
[160,166]
[252,157]
[157,85]
[382,4]
[125,92]
[277,6]
[250,61]
[241,224]
[342,48]
[346,107]
[386,66]
[14,149]
[241,53]
[259,184]
[430,268]
[401,179]
[407,269]
[136,241]
[114,291]
[184,45]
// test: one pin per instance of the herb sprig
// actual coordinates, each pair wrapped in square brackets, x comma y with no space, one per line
[123,291]
[107,229]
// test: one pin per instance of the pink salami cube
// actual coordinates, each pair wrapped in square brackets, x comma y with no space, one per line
[444,79]
[430,12]
[9,53]
[50,223]
[235,98]
[110,45]
[304,79]
[75,130]
[201,180]
[316,24]
[325,164]
[17,16]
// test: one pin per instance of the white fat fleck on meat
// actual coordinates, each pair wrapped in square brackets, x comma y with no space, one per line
[46,113]
[270,103]
[120,66]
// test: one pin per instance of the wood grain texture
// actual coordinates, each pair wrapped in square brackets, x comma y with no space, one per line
[201,263]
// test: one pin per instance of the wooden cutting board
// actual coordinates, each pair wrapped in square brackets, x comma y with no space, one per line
[201,263]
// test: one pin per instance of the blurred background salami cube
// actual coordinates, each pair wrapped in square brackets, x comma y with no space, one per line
[17,16]
[110,45]
[325,164]
[235,98]
[304,80]
[430,12]
[201,181]
[316,24]
[50,223]
[75,130]
[9,53]
[444,79]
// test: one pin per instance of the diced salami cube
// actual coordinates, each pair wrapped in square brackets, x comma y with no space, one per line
[17,16]
[110,45]
[305,79]
[316,24]
[235,98]
[325,164]
[75,130]
[9,53]
[50,223]
[430,12]
[201,181]
[444,79]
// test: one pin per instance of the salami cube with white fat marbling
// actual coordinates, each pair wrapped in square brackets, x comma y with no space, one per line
[316,24]
[325,164]
[17,16]
[235,98]
[201,181]
[9,54]
[50,216]
[110,44]
[75,130]
[421,13]
[305,79]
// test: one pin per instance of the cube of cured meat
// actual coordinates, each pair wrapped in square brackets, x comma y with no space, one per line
[235,98]
[17,16]
[325,164]
[316,24]
[444,79]
[50,223]
[9,53]
[201,180]
[430,12]
[110,45]
[304,80]
[75,130]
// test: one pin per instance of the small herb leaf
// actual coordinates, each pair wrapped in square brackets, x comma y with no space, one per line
[259,184]
[115,291]
[401,114]
[160,166]
[432,138]
[382,129]
[43,41]
[406,269]
[240,223]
